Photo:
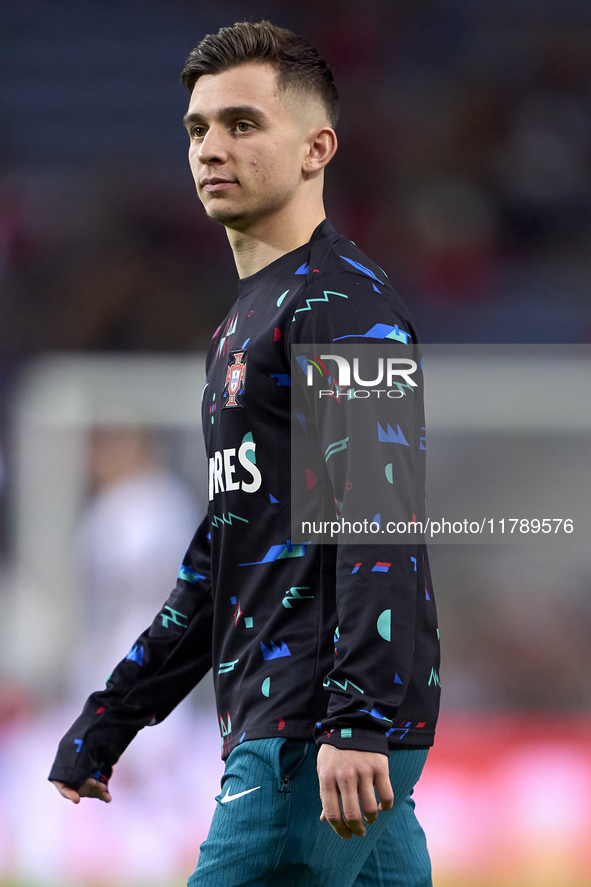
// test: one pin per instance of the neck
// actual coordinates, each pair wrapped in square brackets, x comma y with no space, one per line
[269,238]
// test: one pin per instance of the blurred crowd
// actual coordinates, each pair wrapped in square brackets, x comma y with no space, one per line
[464,169]
[515,626]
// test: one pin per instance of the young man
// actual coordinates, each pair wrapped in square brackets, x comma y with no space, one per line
[325,656]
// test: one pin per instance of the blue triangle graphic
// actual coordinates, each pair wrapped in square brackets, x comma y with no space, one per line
[301,419]
[362,268]
[391,436]
[136,654]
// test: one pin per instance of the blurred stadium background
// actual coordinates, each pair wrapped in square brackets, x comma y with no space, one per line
[465,171]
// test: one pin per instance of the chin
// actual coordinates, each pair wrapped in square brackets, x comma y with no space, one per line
[227,217]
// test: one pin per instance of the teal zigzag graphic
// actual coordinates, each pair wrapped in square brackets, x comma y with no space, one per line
[173,616]
[217,521]
[403,387]
[293,594]
[348,683]
[323,298]
[335,447]
[227,666]
[225,727]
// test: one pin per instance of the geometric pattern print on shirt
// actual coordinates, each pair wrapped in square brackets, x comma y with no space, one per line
[276,637]
[294,599]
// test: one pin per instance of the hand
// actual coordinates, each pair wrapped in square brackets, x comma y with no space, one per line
[92,788]
[352,775]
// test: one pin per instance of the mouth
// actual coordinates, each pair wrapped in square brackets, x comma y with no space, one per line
[213,184]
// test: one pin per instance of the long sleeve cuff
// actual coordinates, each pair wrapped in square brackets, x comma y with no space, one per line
[352,738]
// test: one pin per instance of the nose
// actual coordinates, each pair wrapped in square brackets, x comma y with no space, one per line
[212,148]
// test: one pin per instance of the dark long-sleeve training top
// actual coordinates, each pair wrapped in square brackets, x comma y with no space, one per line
[335,642]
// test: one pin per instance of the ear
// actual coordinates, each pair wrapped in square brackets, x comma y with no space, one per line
[322,146]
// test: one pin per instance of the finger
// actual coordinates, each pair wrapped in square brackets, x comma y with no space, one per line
[92,788]
[103,794]
[67,792]
[367,799]
[384,788]
[331,809]
[351,809]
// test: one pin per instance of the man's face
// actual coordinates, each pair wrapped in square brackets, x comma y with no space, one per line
[248,143]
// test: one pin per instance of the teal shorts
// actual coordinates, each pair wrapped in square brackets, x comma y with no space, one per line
[266,829]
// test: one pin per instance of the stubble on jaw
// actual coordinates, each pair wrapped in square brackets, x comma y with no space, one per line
[241,218]
[226,217]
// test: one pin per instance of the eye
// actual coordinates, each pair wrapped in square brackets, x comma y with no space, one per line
[243,126]
[197,132]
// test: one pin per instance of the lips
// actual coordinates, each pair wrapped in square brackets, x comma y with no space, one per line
[215,183]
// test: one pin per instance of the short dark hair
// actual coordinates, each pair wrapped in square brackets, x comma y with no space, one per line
[299,66]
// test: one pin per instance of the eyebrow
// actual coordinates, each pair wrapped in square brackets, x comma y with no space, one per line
[231,111]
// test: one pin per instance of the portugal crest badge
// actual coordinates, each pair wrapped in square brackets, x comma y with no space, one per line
[235,376]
